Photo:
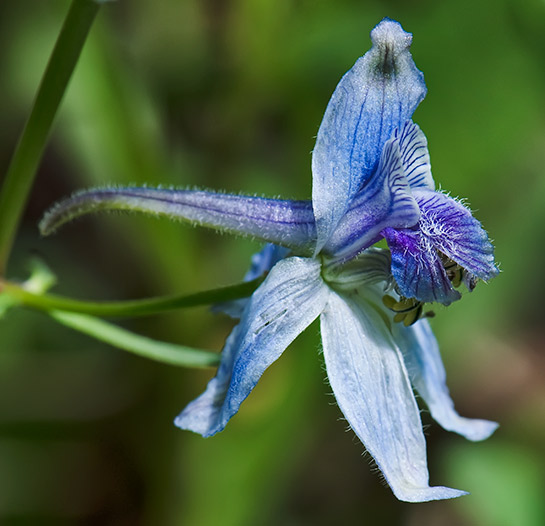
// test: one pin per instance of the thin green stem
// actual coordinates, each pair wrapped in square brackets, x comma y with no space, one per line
[164,352]
[131,308]
[27,155]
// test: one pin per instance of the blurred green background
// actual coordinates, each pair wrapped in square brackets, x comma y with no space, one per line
[229,94]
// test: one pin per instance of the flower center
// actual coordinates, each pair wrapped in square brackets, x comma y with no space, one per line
[410,310]
[457,274]
[407,310]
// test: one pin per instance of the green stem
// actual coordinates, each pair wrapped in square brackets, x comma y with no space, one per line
[164,352]
[27,155]
[141,307]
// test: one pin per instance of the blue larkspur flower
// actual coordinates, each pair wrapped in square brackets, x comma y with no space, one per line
[371,180]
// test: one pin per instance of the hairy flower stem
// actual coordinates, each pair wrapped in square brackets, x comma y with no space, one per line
[27,155]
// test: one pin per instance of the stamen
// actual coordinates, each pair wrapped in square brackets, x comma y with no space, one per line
[456,278]
[457,274]
[408,310]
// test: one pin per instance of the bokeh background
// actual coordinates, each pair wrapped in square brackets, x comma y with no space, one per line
[229,94]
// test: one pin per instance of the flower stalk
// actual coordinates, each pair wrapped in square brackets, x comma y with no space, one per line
[130,308]
[33,294]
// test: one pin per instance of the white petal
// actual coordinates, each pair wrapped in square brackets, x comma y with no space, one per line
[423,361]
[285,304]
[372,388]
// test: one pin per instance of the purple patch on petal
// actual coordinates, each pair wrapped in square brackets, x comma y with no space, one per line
[446,227]
[417,267]
[450,228]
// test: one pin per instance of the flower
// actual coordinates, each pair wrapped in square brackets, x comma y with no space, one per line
[371,180]
[371,177]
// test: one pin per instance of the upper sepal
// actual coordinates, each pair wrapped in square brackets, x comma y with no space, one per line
[378,95]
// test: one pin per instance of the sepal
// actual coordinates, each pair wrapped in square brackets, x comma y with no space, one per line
[287,302]
[370,382]
[378,95]
[261,263]
[423,361]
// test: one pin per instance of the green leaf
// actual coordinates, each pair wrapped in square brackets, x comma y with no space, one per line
[164,352]
[28,153]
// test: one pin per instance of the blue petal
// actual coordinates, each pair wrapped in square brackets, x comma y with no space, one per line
[286,303]
[283,222]
[372,388]
[374,98]
[415,157]
[262,262]
[451,228]
[386,200]
[428,377]
[202,415]
[417,268]
[446,227]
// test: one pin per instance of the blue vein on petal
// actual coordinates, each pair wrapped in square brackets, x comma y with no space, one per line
[374,98]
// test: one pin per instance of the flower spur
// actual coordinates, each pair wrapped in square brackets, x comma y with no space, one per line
[371,179]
